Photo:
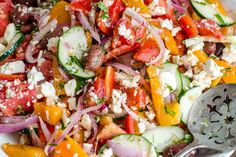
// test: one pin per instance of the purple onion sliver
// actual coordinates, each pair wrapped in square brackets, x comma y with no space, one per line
[9,128]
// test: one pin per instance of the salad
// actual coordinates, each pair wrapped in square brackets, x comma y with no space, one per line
[108,78]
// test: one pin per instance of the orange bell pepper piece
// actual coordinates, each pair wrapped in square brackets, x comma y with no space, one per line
[109,81]
[58,80]
[16,150]
[138,4]
[50,114]
[201,55]
[60,13]
[69,148]
[229,73]
[170,42]
[166,114]
[12,77]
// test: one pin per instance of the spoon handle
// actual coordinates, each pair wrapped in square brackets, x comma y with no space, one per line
[194,145]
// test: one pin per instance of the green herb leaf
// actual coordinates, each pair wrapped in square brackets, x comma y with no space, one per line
[104,9]
[169,111]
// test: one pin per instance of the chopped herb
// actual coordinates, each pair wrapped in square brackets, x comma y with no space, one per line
[169,111]
[218,16]
[26,131]
[20,110]
[61,85]
[104,9]
[101,100]
[139,40]
[80,83]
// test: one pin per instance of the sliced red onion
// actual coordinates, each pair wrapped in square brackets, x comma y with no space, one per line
[29,50]
[124,151]
[35,139]
[12,119]
[94,125]
[179,8]
[51,139]
[13,127]
[64,74]
[124,68]
[75,117]
[72,17]
[84,21]
[44,128]
[154,31]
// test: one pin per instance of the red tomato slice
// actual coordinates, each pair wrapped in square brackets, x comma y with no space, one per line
[129,124]
[99,87]
[188,25]
[136,97]
[20,103]
[209,28]
[5,8]
[81,5]
[114,12]
[46,69]
[148,51]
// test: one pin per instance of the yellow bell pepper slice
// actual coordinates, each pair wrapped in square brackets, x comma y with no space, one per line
[50,114]
[138,5]
[166,114]
[229,71]
[170,42]
[201,55]
[69,148]
[58,80]
[60,13]
[18,150]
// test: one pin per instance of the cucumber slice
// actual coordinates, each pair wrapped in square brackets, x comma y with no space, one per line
[12,46]
[187,101]
[185,82]
[173,68]
[72,46]
[164,136]
[204,9]
[132,141]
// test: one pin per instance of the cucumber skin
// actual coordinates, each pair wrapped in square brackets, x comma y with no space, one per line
[61,64]
[202,16]
[13,48]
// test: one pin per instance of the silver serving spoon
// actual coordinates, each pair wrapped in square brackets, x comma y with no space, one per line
[212,120]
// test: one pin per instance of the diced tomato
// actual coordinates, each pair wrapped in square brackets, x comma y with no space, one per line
[81,5]
[12,77]
[129,124]
[179,38]
[115,10]
[188,25]
[209,28]
[147,2]
[99,87]
[46,69]
[148,51]
[109,81]
[5,8]
[136,97]
[24,44]
[120,39]
[20,103]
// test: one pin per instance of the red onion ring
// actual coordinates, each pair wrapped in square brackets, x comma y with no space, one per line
[44,128]
[75,117]
[13,127]
[12,119]
[72,17]
[64,74]
[84,21]
[124,68]
[35,139]
[154,32]
[29,50]
[123,151]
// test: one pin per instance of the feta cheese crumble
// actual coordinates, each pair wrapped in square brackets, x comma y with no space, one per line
[70,87]
[48,90]
[13,67]
[118,98]
[168,82]
[229,53]
[34,76]
[126,33]
[10,32]
[126,80]
[167,24]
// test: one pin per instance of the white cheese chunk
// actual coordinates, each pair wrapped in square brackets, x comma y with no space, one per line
[13,67]
[167,24]
[70,87]
[34,76]
[118,98]
[86,122]
[48,90]
[126,33]
[211,68]
[10,32]
[229,53]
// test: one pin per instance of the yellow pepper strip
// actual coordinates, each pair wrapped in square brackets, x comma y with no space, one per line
[69,148]
[215,82]
[165,114]
[58,80]
[50,114]
[201,55]
[23,151]
[170,42]
[229,73]
[60,13]
[138,4]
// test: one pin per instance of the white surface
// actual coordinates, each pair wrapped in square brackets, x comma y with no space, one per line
[7,138]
